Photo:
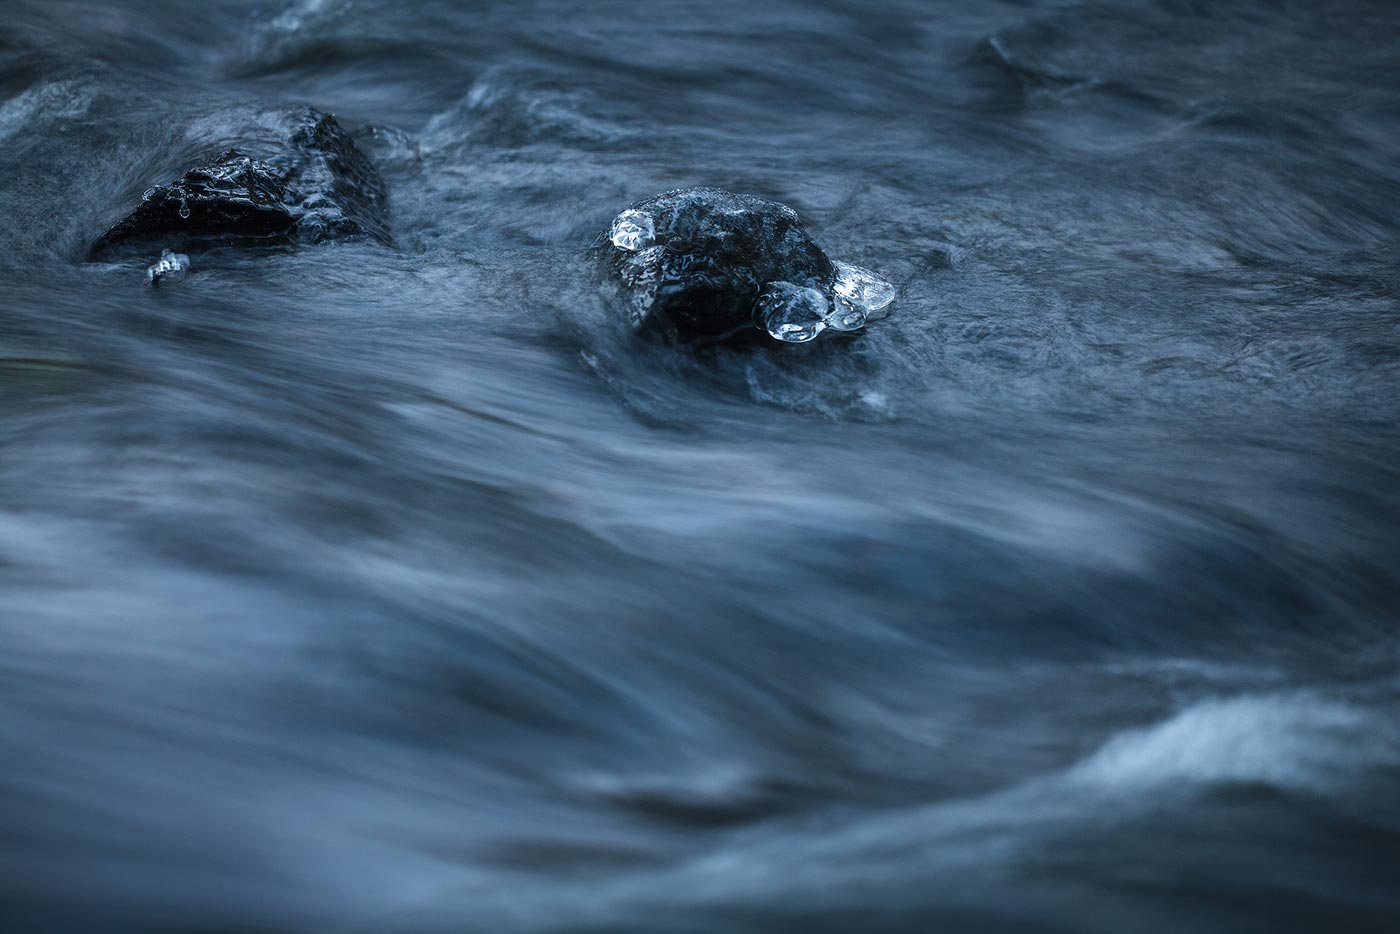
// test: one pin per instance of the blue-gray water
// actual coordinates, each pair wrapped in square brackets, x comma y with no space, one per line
[378,590]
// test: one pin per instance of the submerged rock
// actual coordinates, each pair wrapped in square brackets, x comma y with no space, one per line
[171,267]
[316,186]
[707,264]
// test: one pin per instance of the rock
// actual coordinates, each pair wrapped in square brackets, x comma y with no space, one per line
[171,267]
[702,264]
[317,186]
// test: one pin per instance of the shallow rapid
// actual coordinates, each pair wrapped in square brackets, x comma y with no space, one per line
[370,586]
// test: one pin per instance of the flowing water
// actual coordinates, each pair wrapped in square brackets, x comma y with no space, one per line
[402,589]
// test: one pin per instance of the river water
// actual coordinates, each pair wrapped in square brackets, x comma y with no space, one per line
[401,589]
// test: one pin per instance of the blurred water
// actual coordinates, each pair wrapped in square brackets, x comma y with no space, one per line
[367,589]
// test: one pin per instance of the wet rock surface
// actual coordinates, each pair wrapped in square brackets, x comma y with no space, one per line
[317,186]
[703,264]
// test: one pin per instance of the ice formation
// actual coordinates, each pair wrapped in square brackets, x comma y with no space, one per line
[632,231]
[791,313]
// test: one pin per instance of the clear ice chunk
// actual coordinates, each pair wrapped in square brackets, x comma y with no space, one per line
[845,316]
[792,313]
[860,296]
[171,267]
[632,231]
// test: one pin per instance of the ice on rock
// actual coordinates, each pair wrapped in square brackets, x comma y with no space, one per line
[845,316]
[860,296]
[171,267]
[791,313]
[632,231]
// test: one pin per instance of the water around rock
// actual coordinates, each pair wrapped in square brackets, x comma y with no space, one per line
[356,590]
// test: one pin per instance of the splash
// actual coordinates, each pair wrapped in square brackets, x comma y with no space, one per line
[171,267]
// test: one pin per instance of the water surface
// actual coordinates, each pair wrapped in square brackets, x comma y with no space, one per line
[367,589]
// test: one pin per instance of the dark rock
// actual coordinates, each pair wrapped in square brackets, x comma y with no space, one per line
[317,186]
[709,256]
[702,264]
